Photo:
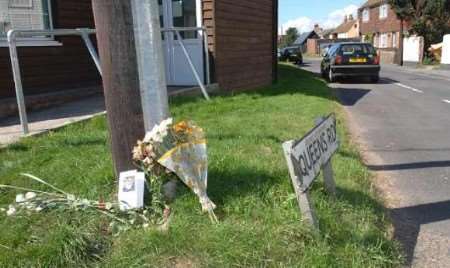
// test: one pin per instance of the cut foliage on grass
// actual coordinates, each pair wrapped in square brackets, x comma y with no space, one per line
[259,224]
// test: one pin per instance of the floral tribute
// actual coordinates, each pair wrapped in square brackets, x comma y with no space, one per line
[36,201]
[168,150]
[178,149]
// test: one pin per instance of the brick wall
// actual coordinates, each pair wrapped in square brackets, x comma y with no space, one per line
[244,44]
[46,69]
[208,21]
[312,47]
[375,24]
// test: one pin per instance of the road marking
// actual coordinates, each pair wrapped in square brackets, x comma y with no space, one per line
[446,101]
[408,87]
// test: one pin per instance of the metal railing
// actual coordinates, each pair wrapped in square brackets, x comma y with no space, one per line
[204,35]
[84,34]
[12,42]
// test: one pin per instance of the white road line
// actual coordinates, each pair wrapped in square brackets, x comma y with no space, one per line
[446,101]
[408,87]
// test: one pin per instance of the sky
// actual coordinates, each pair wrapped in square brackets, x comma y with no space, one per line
[303,14]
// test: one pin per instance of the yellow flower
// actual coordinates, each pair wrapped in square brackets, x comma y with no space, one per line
[182,126]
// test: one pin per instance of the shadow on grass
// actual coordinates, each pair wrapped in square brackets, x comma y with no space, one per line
[239,182]
[84,141]
[292,80]
[254,137]
[15,147]
[407,221]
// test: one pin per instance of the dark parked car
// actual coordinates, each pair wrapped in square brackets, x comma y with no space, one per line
[351,60]
[293,54]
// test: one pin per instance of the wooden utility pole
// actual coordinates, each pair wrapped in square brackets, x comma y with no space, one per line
[402,36]
[115,37]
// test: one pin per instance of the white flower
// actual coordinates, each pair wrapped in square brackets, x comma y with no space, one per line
[11,211]
[70,197]
[148,137]
[108,206]
[85,202]
[20,198]
[159,131]
[38,209]
[165,123]
[30,195]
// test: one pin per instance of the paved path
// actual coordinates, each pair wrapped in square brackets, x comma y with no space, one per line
[55,117]
[403,123]
[40,121]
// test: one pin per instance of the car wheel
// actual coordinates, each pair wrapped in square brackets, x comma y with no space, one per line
[331,76]
[375,79]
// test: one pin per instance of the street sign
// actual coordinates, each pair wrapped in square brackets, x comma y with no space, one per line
[305,158]
[314,150]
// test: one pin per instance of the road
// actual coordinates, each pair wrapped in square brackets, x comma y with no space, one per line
[403,124]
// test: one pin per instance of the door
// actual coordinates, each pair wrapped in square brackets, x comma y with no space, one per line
[182,13]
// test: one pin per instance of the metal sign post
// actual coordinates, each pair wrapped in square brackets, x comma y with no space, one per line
[305,159]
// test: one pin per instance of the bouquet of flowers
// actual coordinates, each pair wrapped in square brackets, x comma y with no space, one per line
[180,149]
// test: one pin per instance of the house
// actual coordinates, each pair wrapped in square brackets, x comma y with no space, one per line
[303,39]
[327,34]
[242,42]
[349,28]
[379,25]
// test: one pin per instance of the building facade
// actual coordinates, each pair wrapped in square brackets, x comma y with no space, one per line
[241,36]
[379,25]
[349,28]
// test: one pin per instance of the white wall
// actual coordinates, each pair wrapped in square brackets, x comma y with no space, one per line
[446,50]
[413,49]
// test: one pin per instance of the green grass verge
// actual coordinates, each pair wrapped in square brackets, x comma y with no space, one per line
[248,180]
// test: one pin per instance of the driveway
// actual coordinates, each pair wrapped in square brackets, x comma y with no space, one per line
[403,125]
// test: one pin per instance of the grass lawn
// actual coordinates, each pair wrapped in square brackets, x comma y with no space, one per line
[259,225]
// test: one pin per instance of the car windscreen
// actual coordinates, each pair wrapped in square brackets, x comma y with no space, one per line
[356,49]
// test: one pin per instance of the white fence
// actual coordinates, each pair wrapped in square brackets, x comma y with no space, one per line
[413,49]
[446,50]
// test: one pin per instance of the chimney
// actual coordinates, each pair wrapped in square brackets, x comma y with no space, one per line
[345,19]
[317,28]
[350,17]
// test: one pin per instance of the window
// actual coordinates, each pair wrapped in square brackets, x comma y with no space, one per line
[356,49]
[394,39]
[384,40]
[185,15]
[365,15]
[384,11]
[25,15]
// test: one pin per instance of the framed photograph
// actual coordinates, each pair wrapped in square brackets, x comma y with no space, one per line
[131,189]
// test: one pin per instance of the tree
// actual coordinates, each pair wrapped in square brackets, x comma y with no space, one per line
[428,18]
[432,20]
[290,37]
